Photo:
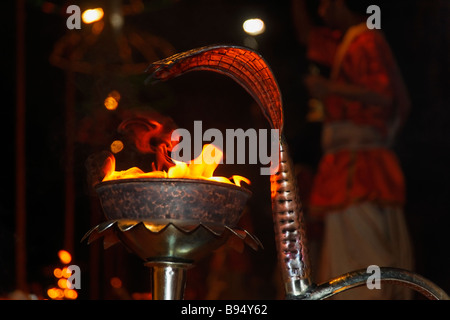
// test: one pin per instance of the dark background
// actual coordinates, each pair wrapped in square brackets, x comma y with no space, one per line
[419,34]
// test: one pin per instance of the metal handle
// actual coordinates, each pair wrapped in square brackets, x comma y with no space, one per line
[390,275]
[289,227]
[293,254]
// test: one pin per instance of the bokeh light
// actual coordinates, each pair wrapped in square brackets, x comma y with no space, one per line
[254,26]
[92,15]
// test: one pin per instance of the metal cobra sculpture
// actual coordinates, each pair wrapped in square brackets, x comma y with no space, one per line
[251,71]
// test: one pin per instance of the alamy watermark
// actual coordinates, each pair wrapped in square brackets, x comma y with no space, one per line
[74,19]
[374,20]
[374,280]
[236,143]
[74,280]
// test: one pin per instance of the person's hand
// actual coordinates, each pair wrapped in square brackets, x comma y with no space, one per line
[318,86]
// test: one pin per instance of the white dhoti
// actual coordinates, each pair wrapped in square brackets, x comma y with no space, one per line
[362,235]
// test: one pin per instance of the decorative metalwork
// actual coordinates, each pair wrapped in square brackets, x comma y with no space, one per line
[387,275]
[161,242]
[289,226]
[244,66]
[171,224]
[181,201]
[250,70]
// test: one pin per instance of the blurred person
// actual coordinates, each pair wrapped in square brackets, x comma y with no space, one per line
[358,191]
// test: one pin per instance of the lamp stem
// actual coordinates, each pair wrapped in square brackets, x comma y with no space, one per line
[168,279]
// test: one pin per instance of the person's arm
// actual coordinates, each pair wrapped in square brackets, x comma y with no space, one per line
[353,92]
[320,87]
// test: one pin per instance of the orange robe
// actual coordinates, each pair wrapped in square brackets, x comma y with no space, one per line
[359,188]
[348,175]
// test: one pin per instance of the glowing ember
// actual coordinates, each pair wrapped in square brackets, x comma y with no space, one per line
[204,169]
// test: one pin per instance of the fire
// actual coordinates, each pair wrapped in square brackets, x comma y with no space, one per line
[151,133]
[202,167]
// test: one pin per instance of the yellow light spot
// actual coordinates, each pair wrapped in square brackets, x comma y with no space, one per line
[116,146]
[62,283]
[57,272]
[254,27]
[66,273]
[55,293]
[60,293]
[70,294]
[64,256]
[111,103]
[112,100]
[92,15]
[52,293]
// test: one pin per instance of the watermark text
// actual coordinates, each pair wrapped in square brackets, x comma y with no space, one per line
[262,146]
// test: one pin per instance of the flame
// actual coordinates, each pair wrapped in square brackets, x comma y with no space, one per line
[151,133]
[151,136]
[202,167]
